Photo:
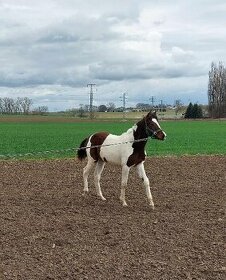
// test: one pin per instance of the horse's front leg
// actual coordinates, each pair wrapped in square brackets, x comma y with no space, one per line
[97,174]
[143,176]
[125,175]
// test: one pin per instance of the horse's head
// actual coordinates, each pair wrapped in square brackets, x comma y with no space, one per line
[152,126]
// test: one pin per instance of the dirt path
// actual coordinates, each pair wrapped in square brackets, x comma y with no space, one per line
[48,230]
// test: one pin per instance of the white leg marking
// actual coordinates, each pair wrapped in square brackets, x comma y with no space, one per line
[125,175]
[142,174]
[86,171]
[97,173]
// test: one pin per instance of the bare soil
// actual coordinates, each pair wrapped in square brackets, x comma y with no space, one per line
[48,230]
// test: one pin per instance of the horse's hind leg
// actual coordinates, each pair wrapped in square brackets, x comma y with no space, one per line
[97,174]
[143,176]
[86,171]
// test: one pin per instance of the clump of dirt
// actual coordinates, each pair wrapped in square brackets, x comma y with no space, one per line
[50,231]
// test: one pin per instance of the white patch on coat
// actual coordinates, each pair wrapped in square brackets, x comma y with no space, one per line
[118,154]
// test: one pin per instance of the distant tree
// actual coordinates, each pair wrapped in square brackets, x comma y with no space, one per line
[7,106]
[193,111]
[41,110]
[18,109]
[188,113]
[178,106]
[1,105]
[86,108]
[81,111]
[25,104]
[102,108]
[198,114]
[73,112]
[217,90]
[110,107]
[143,106]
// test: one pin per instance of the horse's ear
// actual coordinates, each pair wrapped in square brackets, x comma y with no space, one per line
[152,114]
[149,114]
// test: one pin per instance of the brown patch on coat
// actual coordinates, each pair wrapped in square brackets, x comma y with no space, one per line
[97,140]
[138,154]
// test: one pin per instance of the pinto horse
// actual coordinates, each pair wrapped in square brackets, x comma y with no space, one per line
[127,150]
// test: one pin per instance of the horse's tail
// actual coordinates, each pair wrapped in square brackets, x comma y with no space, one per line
[81,153]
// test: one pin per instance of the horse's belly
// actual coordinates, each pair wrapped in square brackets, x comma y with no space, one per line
[110,155]
[117,154]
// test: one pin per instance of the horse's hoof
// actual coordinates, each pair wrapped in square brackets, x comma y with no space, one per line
[103,198]
[84,193]
[124,204]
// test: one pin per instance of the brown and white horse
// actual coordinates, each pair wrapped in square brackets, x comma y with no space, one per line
[127,150]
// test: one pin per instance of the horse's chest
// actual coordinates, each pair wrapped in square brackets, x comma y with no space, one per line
[135,158]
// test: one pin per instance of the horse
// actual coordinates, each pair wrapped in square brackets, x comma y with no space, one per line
[126,150]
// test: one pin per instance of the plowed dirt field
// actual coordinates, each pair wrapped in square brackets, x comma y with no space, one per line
[48,230]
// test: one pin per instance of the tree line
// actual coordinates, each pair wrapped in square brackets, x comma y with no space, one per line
[20,105]
[217,90]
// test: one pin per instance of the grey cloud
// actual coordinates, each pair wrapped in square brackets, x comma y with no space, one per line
[117,73]
[122,44]
[132,71]
[75,30]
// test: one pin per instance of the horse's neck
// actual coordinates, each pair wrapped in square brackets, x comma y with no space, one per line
[140,131]
[136,132]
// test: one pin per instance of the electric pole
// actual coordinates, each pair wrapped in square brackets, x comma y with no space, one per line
[123,98]
[91,86]
[161,105]
[152,101]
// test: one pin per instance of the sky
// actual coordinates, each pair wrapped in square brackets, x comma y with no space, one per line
[50,50]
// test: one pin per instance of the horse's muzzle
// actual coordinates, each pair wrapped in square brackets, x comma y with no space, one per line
[161,135]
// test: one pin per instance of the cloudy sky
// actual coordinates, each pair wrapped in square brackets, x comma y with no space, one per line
[50,50]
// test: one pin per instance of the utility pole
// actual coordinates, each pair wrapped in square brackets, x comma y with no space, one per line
[91,86]
[152,101]
[123,98]
[161,105]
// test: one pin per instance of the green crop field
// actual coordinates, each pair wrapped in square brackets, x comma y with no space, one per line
[183,137]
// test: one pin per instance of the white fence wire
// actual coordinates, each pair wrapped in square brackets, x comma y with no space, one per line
[59,151]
